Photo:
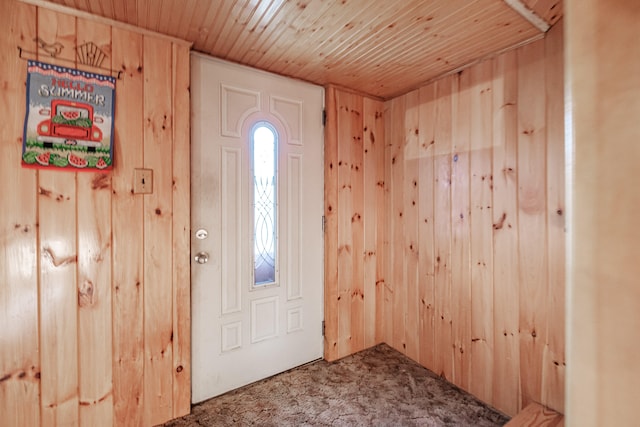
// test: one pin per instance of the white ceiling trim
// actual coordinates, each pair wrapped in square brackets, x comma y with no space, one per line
[529,15]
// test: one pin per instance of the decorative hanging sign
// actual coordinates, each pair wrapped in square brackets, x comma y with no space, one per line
[69,119]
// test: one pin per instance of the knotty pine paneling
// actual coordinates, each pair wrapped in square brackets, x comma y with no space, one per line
[19,256]
[505,240]
[443,330]
[426,232]
[553,378]
[485,166]
[461,231]
[331,334]
[158,325]
[94,292]
[374,240]
[181,233]
[531,168]
[94,273]
[354,228]
[397,295]
[59,292]
[409,184]
[128,244]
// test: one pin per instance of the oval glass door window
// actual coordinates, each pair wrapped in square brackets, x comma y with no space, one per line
[264,146]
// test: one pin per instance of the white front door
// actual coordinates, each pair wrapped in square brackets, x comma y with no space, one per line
[257,269]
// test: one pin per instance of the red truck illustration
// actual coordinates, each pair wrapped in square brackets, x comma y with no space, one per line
[70,123]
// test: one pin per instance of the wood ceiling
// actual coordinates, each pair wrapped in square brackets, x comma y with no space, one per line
[383,48]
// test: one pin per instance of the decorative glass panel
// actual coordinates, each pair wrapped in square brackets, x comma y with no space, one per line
[264,141]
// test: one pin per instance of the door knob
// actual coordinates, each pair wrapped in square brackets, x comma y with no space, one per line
[201,257]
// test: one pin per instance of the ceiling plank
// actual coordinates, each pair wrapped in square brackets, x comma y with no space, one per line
[186,16]
[258,26]
[288,14]
[216,25]
[382,48]
[100,19]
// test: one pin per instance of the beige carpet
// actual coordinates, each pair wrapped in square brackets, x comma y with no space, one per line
[376,387]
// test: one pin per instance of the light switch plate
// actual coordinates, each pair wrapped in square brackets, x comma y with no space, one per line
[143,181]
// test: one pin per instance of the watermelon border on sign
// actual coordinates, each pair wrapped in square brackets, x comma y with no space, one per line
[69,119]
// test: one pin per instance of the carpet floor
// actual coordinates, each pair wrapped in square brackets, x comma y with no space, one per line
[375,387]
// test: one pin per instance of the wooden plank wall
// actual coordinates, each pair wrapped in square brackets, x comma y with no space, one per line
[475,220]
[603,108]
[94,280]
[354,229]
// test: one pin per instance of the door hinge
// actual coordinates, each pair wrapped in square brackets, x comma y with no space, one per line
[324,222]
[324,117]
[323,328]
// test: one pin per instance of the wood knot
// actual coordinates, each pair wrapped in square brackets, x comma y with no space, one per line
[100,181]
[85,294]
[44,192]
[57,261]
[500,223]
